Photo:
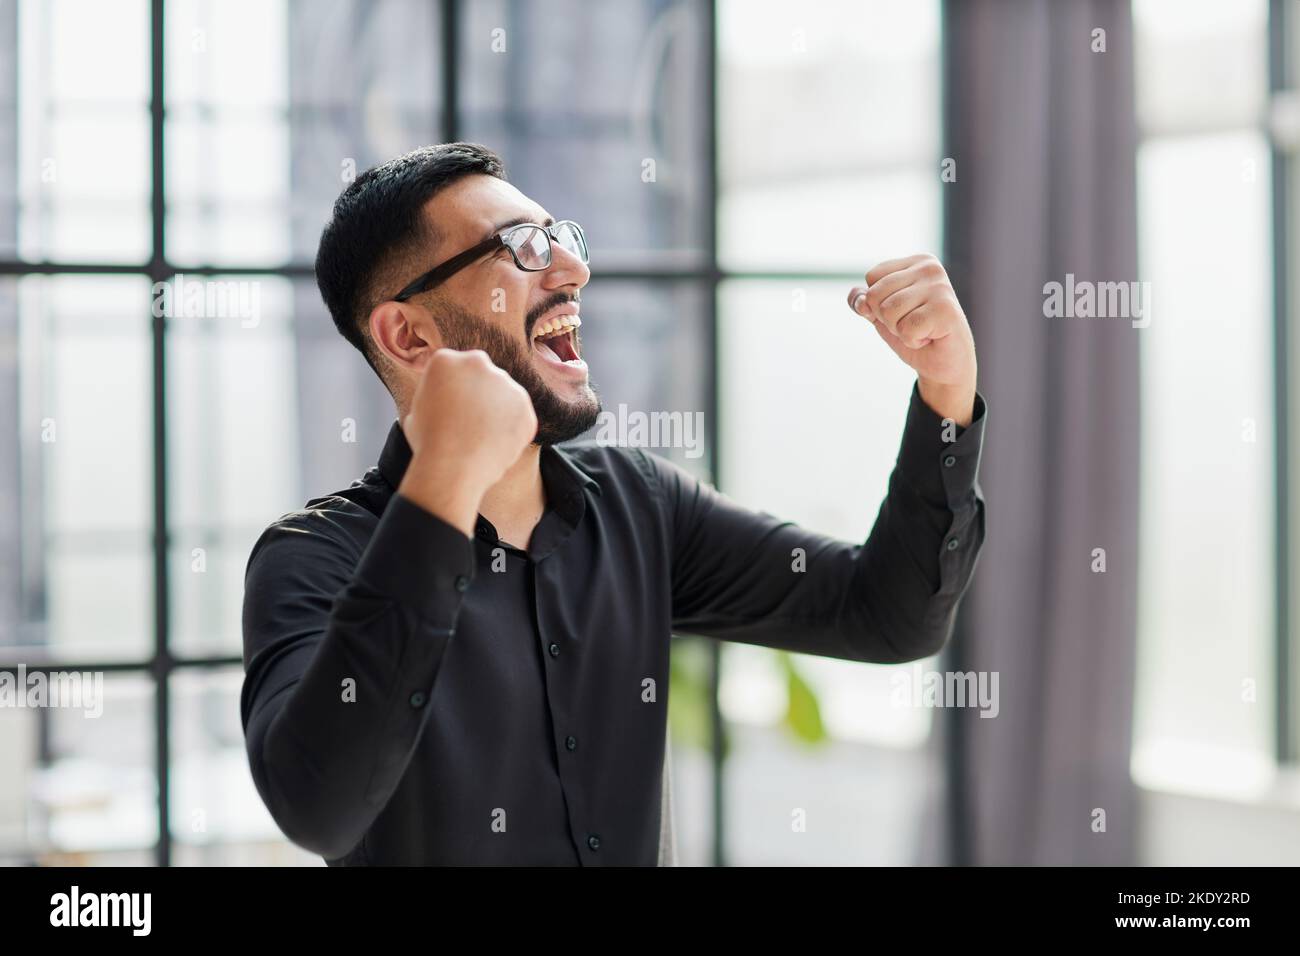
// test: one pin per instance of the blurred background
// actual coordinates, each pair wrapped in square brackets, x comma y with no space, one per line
[737,166]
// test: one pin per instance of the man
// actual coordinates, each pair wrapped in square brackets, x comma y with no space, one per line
[462,658]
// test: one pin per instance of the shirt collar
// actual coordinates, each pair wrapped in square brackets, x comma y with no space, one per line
[555,462]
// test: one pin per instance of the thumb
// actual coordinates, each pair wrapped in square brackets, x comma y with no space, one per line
[858,302]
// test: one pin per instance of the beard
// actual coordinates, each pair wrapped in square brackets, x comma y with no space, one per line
[557,420]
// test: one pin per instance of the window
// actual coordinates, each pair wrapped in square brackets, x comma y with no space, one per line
[1207,714]
[153,449]
[809,199]
[174,141]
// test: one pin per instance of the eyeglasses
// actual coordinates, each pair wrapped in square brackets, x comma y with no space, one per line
[529,245]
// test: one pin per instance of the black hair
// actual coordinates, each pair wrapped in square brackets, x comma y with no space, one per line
[377,222]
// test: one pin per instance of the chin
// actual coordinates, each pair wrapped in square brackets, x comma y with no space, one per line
[576,395]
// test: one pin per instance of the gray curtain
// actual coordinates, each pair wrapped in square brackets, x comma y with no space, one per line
[1042,130]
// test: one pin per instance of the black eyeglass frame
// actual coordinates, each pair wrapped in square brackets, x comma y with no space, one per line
[440,273]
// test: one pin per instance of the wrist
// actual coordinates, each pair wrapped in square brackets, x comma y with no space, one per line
[949,401]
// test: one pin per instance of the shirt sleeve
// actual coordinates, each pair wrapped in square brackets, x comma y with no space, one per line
[342,652]
[748,576]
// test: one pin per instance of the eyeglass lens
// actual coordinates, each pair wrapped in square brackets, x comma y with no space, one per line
[532,246]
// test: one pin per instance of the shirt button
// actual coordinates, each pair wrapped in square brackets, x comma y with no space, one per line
[555,650]
[571,742]
[417,699]
[593,841]
[462,583]
[949,461]
[952,544]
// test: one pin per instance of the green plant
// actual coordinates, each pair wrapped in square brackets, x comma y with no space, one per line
[688,699]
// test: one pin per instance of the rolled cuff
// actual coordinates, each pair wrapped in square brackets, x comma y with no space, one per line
[939,458]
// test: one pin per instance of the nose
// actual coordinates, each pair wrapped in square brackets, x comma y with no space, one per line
[567,268]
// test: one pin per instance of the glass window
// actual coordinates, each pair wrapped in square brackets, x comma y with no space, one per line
[822,192]
[1205,680]
[647,346]
[84,81]
[217,815]
[851,182]
[597,111]
[77,528]
[80,787]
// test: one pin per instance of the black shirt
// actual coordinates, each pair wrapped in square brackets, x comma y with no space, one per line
[414,696]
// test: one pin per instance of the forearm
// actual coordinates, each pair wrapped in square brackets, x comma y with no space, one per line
[907,579]
[922,551]
[747,576]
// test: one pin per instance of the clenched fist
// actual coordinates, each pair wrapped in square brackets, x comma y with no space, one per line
[468,423]
[914,308]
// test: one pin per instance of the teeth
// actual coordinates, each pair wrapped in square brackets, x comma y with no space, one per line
[555,325]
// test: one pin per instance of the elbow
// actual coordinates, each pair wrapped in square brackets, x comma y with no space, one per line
[314,825]
[924,641]
[914,639]
[317,833]
[309,812]
[929,628]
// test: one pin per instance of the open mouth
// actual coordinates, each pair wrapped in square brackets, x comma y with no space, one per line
[557,339]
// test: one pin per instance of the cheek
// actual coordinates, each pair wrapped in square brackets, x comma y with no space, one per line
[508,298]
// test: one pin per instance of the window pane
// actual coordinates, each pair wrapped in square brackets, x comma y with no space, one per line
[227,190]
[256,156]
[646,345]
[9,191]
[365,85]
[227,150]
[778,397]
[267,407]
[851,181]
[857,805]
[80,370]
[1206,596]
[217,815]
[233,422]
[80,784]
[226,55]
[1200,64]
[81,81]
[597,111]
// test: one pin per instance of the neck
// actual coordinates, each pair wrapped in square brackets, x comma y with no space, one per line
[519,497]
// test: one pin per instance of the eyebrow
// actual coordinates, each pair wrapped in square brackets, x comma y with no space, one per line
[518,221]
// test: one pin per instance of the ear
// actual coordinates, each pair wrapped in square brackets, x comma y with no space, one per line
[404,332]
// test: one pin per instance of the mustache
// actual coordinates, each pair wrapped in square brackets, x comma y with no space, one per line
[545,306]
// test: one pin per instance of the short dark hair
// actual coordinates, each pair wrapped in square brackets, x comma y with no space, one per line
[377,223]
